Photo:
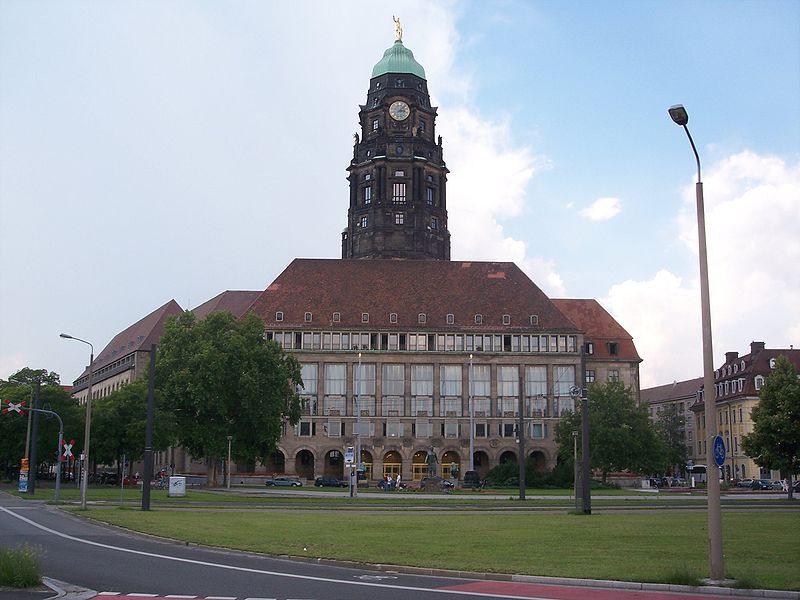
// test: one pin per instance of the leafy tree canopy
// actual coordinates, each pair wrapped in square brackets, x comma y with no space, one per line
[31,376]
[670,429]
[775,440]
[13,426]
[118,424]
[621,436]
[221,377]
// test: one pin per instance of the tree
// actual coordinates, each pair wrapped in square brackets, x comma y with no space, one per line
[13,427]
[118,424]
[775,440]
[31,376]
[621,436]
[670,431]
[221,377]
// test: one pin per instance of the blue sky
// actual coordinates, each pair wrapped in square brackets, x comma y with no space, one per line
[151,151]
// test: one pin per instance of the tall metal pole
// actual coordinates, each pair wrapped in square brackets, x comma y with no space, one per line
[88,428]
[586,487]
[228,468]
[521,433]
[34,459]
[148,431]
[358,423]
[716,561]
[471,421]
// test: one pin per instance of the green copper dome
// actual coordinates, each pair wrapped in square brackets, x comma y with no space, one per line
[398,59]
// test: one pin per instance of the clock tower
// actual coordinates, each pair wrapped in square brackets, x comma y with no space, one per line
[398,204]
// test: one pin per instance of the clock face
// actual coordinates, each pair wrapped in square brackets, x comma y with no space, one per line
[399,110]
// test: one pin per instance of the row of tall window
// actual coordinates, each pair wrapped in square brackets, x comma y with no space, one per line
[423,342]
[454,381]
[418,429]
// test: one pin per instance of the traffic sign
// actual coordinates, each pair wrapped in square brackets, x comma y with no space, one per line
[12,407]
[68,450]
[719,450]
[349,456]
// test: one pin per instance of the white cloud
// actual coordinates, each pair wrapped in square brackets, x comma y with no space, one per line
[752,207]
[602,209]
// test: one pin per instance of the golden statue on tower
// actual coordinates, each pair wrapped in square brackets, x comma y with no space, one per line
[398,30]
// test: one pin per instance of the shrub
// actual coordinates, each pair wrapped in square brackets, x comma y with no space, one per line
[20,567]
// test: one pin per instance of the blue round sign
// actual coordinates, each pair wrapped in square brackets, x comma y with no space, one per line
[719,450]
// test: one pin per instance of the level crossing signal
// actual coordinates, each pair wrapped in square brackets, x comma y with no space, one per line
[10,406]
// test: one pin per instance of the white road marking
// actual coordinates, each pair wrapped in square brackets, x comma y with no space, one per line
[204,563]
[178,596]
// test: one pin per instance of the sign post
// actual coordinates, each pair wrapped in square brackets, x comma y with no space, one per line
[349,463]
[719,453]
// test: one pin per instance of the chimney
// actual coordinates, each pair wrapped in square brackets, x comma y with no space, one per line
[756,347]
[731,356]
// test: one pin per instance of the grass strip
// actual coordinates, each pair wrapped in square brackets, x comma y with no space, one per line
[761,548]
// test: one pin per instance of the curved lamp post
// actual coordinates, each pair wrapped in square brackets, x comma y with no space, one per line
[87,430]
[681,117]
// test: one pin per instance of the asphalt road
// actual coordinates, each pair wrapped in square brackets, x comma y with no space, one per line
[109,560]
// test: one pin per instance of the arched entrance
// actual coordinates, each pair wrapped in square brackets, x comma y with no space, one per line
[539,461]
[392,463]
[481,461]
[508,456]
[275,463]
[451,465]
[304,464]
[419,468]
[366,460]
[334,465]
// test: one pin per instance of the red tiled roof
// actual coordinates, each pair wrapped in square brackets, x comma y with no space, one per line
[235,302]
[599,327]
[140,335]
[408,288]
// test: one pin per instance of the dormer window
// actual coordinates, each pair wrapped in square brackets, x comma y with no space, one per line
[479,319]
[589,347]
[279,316]
[534,319]
[365,317]
[375,124]
[612,348]
[422,318]
[451,319]
[307,317]
[772,363]
[337,317]
[742,367]
[506,319]
[759,381]
[392,317]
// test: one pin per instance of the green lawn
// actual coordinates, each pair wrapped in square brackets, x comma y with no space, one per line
[761,548]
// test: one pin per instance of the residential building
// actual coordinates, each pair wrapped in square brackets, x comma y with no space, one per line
[681,395]
[737,385]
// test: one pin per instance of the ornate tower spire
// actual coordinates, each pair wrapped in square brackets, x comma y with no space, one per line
[398,202]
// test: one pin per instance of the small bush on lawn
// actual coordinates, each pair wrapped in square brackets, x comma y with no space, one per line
[20,567]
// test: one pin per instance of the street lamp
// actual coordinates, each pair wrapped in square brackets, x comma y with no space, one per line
[681,117]
[230,437]
[87,430]
[471,422]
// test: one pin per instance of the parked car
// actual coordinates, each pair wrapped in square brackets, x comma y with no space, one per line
[777,485]
[283,482]
[659,482]
[761,484]
[109,478]
[679,482]
[796,486]
[329,482]
[432,484]
[744,483]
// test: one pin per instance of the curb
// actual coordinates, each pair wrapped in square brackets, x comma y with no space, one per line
[67,591]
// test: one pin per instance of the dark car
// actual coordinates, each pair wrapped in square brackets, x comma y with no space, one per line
[109,478]
[435,484]
[761,484]
[283,482]
[329,482]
